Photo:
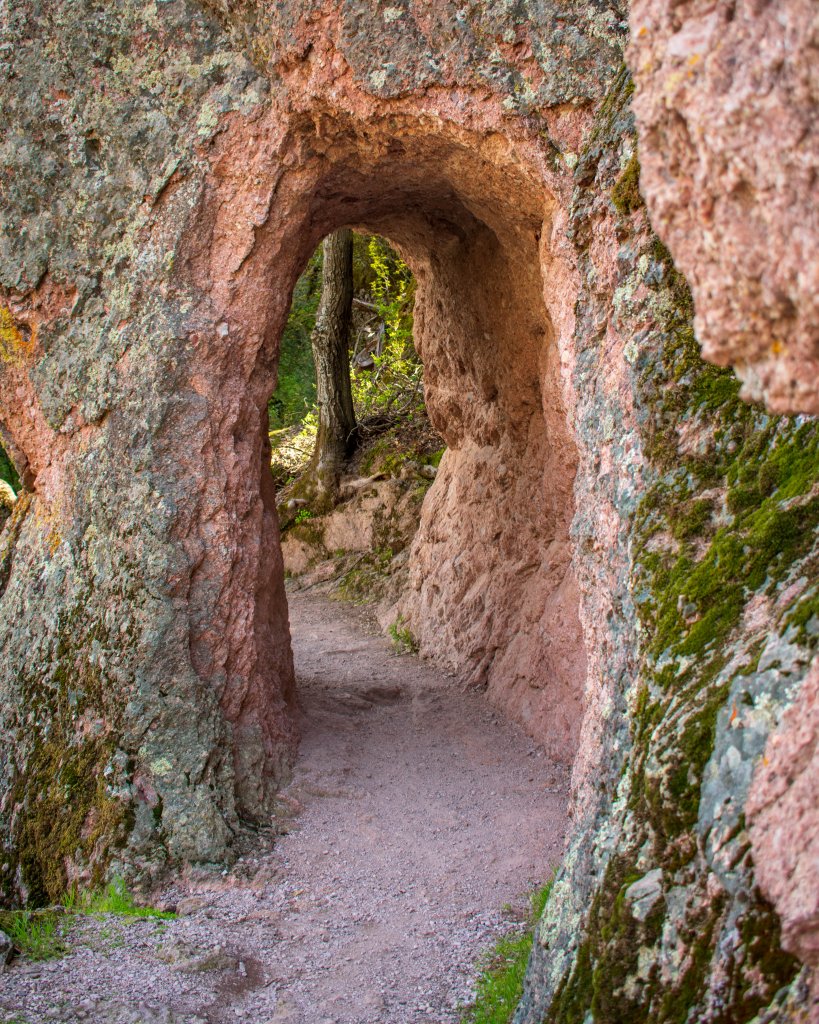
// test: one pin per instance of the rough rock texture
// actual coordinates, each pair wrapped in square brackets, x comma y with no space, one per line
[726,103]
[375,522]
[711,534]
[143,612]
[145,223]
[492,594]
[613,534]
[785,824]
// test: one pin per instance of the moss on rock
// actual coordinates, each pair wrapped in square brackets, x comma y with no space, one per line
[69,815]
[625,192]
[722,520]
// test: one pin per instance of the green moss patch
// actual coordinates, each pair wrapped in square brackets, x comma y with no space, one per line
[66,810]
[728,517]
[364,577]
[605,979]
[625,193]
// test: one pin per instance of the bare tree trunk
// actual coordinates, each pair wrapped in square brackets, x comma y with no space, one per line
[330,340]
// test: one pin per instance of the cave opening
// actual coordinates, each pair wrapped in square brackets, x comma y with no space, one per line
[492,596]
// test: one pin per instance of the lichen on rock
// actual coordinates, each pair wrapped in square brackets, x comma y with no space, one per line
[616,546]
[722,535]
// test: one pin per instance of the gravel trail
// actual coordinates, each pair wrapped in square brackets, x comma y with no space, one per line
[417,821]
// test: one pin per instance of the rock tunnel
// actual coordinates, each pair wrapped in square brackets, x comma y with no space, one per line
[493,596]
[160,199]
[493,586]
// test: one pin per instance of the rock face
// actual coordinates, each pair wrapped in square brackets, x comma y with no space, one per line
[784,823]
[710,538]
[725,101]
[617,547]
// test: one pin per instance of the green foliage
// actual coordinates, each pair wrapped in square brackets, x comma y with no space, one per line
[115,899]
[295,393]
[68,787]
[395,383]
[393,291]
[731,515]
[40,934]
[37,934]
[378,268]
[292,447]
[363,273]
[609,954]
[500,985]
[70,782]
[392,389]
[766,533]
[410,440]
[402,638]
[692,519]
[8,472]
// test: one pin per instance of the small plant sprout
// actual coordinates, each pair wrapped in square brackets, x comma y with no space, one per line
[402,638]
[116,899]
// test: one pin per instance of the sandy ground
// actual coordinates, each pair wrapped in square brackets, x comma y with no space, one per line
[417,821]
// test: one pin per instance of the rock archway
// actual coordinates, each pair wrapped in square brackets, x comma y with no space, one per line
[171,168]
[494,596]
[189,698]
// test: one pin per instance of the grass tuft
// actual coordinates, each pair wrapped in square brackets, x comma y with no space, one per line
[36,934]
[500,984]
[39,934]
[116,899]
[402,638]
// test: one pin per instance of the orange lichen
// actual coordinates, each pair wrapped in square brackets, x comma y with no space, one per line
[17,339]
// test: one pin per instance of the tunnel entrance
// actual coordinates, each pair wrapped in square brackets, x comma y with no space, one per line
[492,596]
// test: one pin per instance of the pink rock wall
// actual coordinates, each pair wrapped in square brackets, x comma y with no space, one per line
[493,594]
[725,99]
[784,822]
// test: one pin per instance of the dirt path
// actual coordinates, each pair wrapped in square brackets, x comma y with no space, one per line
[416,813]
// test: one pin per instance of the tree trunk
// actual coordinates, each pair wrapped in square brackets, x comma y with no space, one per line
[330,340]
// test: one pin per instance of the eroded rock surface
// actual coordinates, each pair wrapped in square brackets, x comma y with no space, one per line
[616,546]
[785,824]
[726,105]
